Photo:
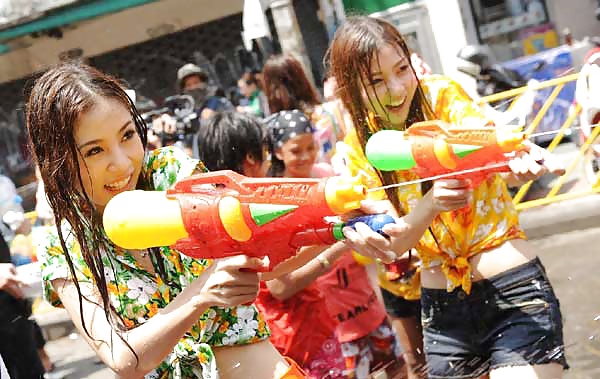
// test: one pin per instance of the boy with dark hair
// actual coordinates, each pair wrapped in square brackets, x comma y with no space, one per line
[233,141]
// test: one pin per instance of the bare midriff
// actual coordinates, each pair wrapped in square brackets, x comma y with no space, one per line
[255,360]
[487,264]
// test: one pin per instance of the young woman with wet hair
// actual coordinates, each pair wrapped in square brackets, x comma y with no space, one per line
[487,305]
[146,313]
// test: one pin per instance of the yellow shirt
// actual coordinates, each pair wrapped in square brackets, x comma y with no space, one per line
[488,222]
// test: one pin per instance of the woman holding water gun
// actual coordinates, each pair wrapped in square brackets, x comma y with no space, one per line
[488,309]
[146,313]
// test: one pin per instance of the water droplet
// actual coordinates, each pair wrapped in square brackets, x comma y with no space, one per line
[569,278]
[435,342]
[499,335]
[591,338]
[73,336]
[597,318]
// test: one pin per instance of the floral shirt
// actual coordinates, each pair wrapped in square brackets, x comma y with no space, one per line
[461,234]
[137,294]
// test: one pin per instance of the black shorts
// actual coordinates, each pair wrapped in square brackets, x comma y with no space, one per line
[399,307]
[512,319]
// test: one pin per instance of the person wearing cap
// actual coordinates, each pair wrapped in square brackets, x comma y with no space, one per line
[193,80]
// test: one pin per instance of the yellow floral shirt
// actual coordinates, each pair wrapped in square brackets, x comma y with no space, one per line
[487,223]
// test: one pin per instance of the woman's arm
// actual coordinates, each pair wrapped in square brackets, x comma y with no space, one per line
[403,235]
[223,284]
[293,282]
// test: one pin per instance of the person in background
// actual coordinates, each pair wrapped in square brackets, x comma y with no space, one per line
[234,141]
[18,345]
[332,284]
[255,100]
[288,87]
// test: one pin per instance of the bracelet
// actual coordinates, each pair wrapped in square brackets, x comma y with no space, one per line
[324,262]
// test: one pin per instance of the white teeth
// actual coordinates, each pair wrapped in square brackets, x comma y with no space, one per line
[118,185]
[397,105]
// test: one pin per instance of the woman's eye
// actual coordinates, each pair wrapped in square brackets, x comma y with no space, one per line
[404,67]
[93,151]
[376,82]
[128,134]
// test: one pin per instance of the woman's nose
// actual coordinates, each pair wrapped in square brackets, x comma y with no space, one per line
[397,87]
[119,160]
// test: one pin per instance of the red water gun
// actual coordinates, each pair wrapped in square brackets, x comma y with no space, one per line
[222,213]
[434,148]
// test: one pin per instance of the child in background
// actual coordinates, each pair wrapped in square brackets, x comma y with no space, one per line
[334,285]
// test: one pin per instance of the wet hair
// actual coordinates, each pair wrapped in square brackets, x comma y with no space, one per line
[287,86]
[58,99]
[228,138]
[350,57]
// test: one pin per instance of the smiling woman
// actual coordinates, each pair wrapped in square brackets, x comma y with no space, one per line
[146,315]
[476,264]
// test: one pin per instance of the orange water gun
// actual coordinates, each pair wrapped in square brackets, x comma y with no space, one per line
[223,213]
[434,149]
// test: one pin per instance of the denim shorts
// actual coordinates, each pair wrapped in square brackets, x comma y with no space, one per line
[399,307]
[511,319]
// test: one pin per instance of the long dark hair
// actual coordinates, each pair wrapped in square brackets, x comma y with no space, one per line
[350,57]
[56,102]
[286,85]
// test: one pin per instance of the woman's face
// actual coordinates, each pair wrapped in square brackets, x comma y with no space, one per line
[246,89]
[110,151]
[298,154]
[390,91]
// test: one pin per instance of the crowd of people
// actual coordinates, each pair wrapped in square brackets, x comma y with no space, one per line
[451,290]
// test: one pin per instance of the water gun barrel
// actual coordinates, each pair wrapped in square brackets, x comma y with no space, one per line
[390,150]
[143,219]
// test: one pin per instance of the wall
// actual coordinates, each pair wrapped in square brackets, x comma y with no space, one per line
[450,36]
[114,31]
[577,15]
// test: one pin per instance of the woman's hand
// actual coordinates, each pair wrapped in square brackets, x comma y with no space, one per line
[406,232]
[531,164]
[369,243]
[229,282]
[449,194]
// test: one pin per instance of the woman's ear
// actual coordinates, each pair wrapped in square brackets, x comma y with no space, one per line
[278,154]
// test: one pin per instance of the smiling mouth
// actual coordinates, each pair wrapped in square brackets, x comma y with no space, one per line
[396,107]
[120,185]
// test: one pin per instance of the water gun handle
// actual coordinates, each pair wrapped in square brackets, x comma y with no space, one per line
[375,222]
